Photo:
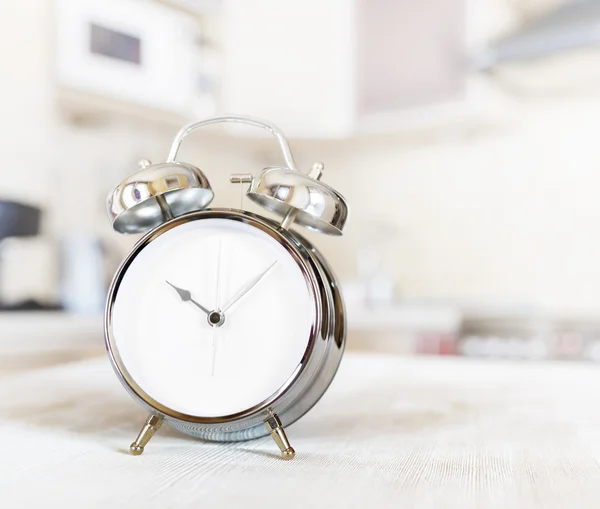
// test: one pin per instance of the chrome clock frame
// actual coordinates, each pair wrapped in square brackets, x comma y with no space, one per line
[302,390]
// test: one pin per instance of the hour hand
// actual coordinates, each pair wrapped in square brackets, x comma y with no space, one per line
[186,296]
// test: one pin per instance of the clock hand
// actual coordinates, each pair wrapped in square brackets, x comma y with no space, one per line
[214,352]
[248,287]
[186,296]
[218,285]
[217,302]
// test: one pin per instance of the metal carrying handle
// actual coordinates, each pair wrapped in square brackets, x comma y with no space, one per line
[238,119]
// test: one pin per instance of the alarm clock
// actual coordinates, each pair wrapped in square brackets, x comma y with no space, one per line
[224,324]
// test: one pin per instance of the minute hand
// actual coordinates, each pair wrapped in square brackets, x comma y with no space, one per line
[248,287]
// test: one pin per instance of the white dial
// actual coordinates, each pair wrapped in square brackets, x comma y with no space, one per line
[212,317]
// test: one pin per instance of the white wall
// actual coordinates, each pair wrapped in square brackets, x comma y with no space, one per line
[511,214]
[25,103]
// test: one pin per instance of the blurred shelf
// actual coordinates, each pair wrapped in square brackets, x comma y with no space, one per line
[86,108]
[404,317]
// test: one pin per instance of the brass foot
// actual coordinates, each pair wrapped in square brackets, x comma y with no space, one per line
[273,424]
[153,423]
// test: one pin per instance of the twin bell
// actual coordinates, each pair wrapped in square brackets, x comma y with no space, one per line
[156,193]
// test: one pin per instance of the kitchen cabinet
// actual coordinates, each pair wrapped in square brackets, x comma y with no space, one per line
[124,57]
[342,67]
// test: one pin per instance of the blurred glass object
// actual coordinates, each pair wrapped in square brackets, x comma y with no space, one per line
[83,278]
[375,274]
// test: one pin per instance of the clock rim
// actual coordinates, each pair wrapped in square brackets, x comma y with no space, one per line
[309,357]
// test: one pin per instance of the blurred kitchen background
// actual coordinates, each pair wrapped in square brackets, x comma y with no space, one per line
[465,134]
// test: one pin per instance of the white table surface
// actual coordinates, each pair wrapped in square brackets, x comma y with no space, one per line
[391,432]
[34,339]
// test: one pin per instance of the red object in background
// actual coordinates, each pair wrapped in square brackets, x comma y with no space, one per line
[569,345]
[437,344]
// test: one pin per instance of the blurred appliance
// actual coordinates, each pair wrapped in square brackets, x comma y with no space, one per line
[130,55]
[572,25]
[18,220]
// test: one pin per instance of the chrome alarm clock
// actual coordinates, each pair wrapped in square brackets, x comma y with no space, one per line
[224,324]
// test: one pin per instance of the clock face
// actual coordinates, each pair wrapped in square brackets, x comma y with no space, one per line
[212,317]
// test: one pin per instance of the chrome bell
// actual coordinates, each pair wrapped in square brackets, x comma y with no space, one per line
[156,193]
[300,198]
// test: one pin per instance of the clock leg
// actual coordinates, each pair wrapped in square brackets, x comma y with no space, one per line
[273,424]
[153,423]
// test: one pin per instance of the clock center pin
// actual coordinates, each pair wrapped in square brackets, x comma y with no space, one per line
[216,318]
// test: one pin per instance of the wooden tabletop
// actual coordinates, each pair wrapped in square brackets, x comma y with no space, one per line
[391,432]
